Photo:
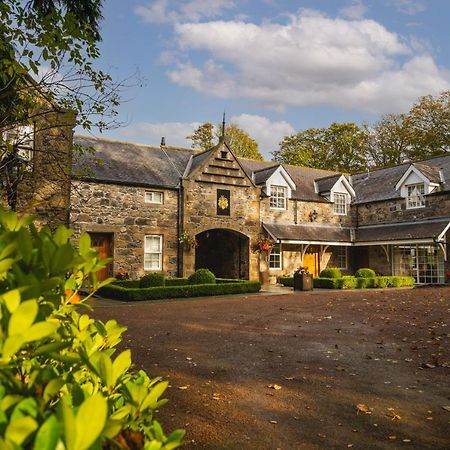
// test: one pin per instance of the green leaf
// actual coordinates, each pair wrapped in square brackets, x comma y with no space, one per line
[12,299]
[69,425]
[52,388]
[47,436]
[25,245]
[152,398]
[23,317]
[103,366]
[62,235]
[40,330]
[120,365]
[8,249]
[11,346]
[20,429]
[90,421]
[85,244]
[6,264]
[26,407]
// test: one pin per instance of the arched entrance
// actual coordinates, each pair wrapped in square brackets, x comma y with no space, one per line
[224,252]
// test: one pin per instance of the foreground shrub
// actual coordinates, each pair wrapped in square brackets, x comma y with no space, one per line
[365,273]
[331,272]
[202,276]
[151,280]
[63,384]
[191,290]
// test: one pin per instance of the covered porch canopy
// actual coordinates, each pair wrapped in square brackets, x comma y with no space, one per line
[306,235]
[420,232]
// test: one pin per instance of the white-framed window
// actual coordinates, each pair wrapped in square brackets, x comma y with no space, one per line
[153,252]
[154,197]
[340,204]
[414,195]
[278,197]
[275,258]
[340,254]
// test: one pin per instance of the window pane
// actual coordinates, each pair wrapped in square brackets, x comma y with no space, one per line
[278,197]
[340,204]
[275,257]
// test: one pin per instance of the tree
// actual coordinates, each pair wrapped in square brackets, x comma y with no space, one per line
[429,124]
[388,141]
[340,147]
[203,137]
[47,54]
[240,142]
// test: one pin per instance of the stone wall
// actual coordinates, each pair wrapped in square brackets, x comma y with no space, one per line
[200,214]
[436,205]
[299,211]
[121,211]
[45,189]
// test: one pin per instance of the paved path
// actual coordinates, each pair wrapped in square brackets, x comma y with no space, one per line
[386,350]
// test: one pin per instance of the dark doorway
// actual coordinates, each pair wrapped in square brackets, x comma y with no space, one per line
[225,253]
[103,243]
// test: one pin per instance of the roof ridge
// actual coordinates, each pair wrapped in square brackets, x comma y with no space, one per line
[137,144]
[267,168]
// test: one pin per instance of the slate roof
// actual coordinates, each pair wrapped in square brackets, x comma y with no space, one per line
[133,164]
[262,175]
[380,184]
[325,184]
[305,232]
[198,159]
[303,177]
[426,230]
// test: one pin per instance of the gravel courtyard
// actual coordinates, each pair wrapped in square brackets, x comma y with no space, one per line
[321,370]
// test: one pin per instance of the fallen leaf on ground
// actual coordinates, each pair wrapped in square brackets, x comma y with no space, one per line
[361,407]
[392,438]
[273,421]
[183,388]
[277,387]
[447,408]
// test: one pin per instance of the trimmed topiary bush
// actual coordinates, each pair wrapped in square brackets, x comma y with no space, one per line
[331,272]
[151,280]
[365,273]
[202,276]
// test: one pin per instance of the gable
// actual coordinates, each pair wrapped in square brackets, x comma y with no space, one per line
[219,166]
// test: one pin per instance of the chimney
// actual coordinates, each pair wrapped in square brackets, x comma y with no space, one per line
[163,142]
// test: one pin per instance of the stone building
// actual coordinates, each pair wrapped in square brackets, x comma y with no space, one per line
[35,162]
[138,202]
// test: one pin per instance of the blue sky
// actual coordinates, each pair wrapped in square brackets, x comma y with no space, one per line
[276,67]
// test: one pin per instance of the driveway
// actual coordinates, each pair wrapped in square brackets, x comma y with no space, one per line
[322,370]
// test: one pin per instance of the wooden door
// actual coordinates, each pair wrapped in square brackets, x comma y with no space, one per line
[102,242]
[311,262]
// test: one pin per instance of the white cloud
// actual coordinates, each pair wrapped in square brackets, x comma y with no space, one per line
[151,133]
[355,10]
[266,133]
[160,11]
[410,7]
[313,59]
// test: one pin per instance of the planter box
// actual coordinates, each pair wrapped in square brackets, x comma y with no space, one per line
[303,282]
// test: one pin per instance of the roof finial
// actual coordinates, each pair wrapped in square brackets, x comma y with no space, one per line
[222,137]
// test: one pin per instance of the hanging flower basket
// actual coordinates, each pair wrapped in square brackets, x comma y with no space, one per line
[188,241]
[263,245]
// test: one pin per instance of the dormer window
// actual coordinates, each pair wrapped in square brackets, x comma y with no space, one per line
[415,196]
[340,204]
[278,197]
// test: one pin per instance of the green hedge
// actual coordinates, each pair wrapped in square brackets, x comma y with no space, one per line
[173,282]
[331,272]
[365,273]
[362,283]
[286,281]
[116,292]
